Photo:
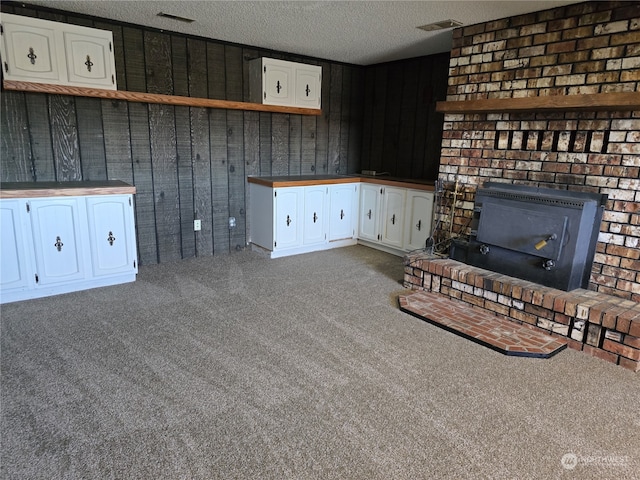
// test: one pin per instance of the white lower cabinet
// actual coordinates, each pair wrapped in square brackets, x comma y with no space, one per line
[300,219]
[53,245]
[343,206]
[59,241]
[315,215]
[393,216]
[418,219]
[111,234]
[14,261]
[394,219]
[292,220]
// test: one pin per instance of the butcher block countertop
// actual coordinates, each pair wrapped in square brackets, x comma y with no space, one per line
[64,189]
[307,180]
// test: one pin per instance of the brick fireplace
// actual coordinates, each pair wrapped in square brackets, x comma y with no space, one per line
[585,49]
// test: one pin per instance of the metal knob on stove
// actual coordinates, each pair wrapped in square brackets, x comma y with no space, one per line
[484,249]
[548,264]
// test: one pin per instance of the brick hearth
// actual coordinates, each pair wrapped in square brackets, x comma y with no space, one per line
[601,325]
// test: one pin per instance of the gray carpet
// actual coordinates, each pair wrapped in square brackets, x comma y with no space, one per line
[296,368]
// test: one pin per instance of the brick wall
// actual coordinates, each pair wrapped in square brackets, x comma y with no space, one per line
[586,48]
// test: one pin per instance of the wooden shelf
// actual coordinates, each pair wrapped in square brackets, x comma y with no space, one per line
[551,103]
[141,97]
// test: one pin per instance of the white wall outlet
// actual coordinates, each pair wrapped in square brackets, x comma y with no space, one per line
[197,225]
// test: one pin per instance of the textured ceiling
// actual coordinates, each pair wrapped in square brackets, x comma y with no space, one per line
[356,32]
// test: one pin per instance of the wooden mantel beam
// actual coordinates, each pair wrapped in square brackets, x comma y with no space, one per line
[550,103]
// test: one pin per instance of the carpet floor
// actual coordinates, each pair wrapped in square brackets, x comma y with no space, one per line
[304,367]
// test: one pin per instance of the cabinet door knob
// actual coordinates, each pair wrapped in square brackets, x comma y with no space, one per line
[111,238]
[393,219]
[315,217]
[369,214]
[58,244]
[419,225]
[288,220]
[88,63]
[307,90]
[32,56]
[278,86]
[341,214]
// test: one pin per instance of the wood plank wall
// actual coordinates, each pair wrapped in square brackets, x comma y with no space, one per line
[189,163]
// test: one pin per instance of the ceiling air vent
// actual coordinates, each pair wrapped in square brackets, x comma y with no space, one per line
[440,25]
[176,17]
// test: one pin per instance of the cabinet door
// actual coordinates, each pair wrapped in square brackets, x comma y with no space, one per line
[89,57]
[111,234]
[277,82]
[14,271]
[58,240]
[288,217]
[369,212]
[307,89]
[29,50]
[393,216]
[341,211]
[418,216]
[314,215]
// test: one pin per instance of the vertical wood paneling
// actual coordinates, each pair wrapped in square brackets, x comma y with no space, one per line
[143,180]
[335,105]
[134,59]
[251,121]
[367,89]
[235,148]
[140,148]
[308,145]
[193,162]
[91,138]
[163,147]
[439,81]
[218,138]
[390,147]
[356,118]
[117,140]
[378,115]
[322,122]
[407,120]
[40,135]
[183,147]
[200,148]
[14,150]
[265,144]
[280,144]
[64,134]
[295,144]
[345,114]
[421,124]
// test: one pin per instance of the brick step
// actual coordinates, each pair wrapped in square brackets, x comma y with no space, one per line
[481,326]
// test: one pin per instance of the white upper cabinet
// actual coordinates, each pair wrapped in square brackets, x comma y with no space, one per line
[29,50]
[42,51]
[89,58]
[278,82]
[308,81]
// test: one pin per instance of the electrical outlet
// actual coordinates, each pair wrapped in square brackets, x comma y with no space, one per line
[197,225]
